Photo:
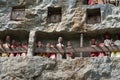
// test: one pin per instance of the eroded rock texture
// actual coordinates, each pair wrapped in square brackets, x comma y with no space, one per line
[36,15]
[38,68]
[73,15]
[24,68]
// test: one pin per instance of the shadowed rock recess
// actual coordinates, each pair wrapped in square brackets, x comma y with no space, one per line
[38,68]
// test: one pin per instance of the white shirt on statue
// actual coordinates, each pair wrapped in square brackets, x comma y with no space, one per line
[117,42]
[60,45]
[108,42]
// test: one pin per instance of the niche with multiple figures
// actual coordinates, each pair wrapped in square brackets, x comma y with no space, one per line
[93,16]
[18,35]
[45,40]
[18,13]
[13,43]
[54,14]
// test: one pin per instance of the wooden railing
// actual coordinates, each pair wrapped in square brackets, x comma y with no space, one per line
[65,50]
[15,50]
[81,49]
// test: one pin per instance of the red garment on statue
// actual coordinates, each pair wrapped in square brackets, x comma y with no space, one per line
[91,2]
[94,54]
[53,56]
[70,54]
[102,54]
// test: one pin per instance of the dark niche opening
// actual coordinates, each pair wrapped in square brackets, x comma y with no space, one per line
[93,16]
[54,14]
[85,2]
[18,13]
[18,35]
[13,43]
[53,36]
[52,39]
[2,3]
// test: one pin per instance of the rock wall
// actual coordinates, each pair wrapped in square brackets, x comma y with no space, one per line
[110,16]
[36,15]
[73,19]
[38,68]
[73,16]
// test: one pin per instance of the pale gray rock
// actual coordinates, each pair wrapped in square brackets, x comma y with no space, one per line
[36,15]
[21,68]
[73,16]
[38,68]
[102,68]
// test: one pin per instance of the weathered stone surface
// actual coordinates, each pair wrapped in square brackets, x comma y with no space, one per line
[24,68]
[73,15]
[36,15]
[73,19]
[110,18]
[38,68]
[85,69]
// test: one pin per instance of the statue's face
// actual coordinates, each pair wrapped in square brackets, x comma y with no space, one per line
[1,42]
[7,38]
[60,39]
[48,45]
[69,43]
[13,41]
[107,36]
[39,44]
[93,40]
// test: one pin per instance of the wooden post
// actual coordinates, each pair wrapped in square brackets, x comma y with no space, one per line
[31,43]
[59,56]
[81,43]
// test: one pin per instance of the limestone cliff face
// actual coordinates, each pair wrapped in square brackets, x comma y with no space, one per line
[36,15]
[38,68]
[110,19]
[73,16]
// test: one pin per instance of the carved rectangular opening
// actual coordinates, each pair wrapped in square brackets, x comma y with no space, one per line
[93,16]
[18,13]
[54,14]
[18,35]
[85,2]
[52,38]
[2,3]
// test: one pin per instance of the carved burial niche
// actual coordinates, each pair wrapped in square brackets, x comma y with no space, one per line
[18,13]
[93,16]
[2,3]
[54,14]
[18,35]
[17,42]
[85,2]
